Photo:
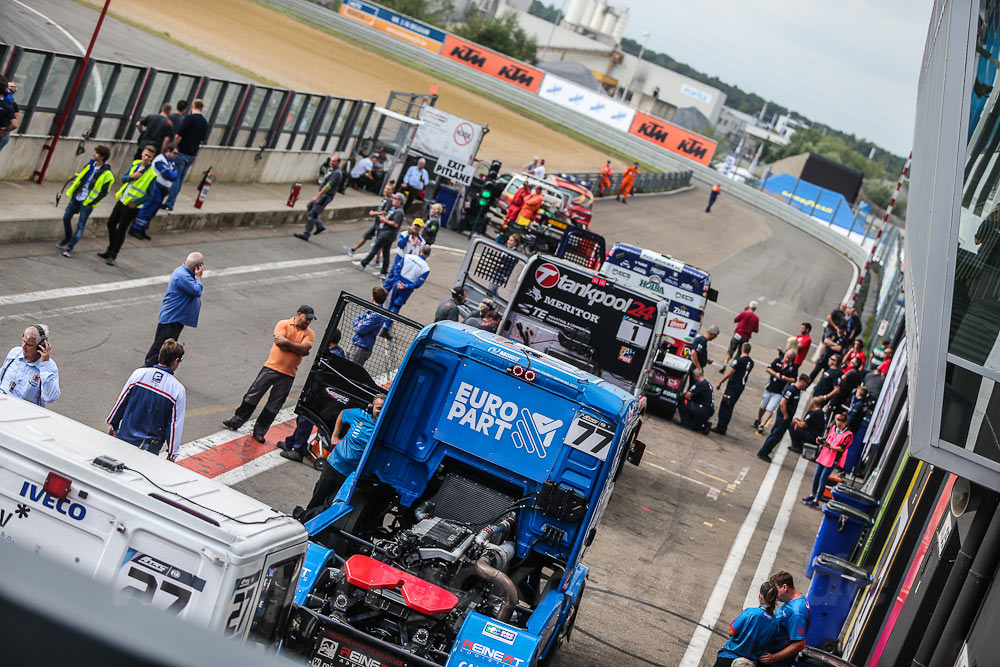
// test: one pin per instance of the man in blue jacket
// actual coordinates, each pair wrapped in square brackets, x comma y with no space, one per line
[413,271]
[150,410]
[366,328]
[166,174]
[181,304]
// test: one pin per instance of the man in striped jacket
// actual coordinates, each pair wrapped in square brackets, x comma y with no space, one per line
[150,409]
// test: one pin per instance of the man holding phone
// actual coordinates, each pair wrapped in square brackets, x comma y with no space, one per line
[28,372]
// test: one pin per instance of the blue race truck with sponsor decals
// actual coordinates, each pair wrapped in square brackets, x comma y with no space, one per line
[459,539]
[685,291]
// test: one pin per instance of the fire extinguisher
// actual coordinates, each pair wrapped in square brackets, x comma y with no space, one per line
[204,187]
[293,196]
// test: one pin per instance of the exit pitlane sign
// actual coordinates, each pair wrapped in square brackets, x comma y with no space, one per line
[455,170]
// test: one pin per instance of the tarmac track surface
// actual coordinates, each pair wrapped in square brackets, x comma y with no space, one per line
[671,522]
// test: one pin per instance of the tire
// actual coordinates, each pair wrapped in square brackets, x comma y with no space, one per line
[319,464]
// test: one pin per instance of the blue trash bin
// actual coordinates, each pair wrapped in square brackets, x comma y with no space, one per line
[842,493]
[831,594]
[839,533]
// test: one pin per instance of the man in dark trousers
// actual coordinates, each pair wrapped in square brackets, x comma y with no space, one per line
[293,339]
[327,191]
[713,194]
[354,428]
[698,404]
[191,134]
[390,223]
[155,130]
[181,304]
[135,191]
[829,378]
[737,375]
[809,427]
[783,416]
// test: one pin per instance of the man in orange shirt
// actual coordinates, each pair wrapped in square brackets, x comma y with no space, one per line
[530,207]
[628,179]
[605,184]
[292,341]
[516,203]
[712,196]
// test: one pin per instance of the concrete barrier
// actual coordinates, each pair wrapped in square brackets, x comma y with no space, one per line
[23,155]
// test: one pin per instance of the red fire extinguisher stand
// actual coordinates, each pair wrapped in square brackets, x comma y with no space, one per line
[204,187]
[293,196]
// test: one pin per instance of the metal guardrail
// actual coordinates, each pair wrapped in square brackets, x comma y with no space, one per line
[644,182]
[626,143]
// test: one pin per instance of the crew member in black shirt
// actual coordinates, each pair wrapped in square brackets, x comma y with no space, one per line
[783,416]
[843,391]
[808,428]
[828,380]
[699,348]
[737,375]
[698,404]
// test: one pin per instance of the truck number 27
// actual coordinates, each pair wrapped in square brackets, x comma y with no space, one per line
[146,586]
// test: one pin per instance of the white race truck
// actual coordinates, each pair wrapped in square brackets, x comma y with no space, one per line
[149,528]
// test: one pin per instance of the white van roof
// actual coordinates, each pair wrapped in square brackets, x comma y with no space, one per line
[69,448]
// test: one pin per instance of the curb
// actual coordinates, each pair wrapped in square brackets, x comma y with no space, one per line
[51,229]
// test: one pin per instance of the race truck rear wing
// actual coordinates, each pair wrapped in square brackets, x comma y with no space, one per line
[335,383]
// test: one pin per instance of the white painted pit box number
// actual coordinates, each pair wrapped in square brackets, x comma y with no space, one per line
[591,435]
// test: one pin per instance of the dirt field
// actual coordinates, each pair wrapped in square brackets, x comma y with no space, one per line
[301,57]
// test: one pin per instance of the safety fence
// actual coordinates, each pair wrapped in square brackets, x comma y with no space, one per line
[113,97]
[644,182]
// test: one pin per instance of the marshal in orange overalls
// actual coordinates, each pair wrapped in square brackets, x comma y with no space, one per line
[628,179]
[605,184]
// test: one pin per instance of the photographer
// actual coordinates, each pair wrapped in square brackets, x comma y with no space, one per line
[28,372]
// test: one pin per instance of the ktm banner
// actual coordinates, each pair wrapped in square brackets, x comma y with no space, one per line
[673,138]
[494,64]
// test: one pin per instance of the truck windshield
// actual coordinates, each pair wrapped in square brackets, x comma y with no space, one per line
[275,599]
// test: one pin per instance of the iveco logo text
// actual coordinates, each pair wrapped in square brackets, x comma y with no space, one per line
[75,511]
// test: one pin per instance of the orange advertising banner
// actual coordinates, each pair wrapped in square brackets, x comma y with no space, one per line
[672,137]
[494,64]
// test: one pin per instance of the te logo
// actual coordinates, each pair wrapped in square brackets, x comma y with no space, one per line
[547,275]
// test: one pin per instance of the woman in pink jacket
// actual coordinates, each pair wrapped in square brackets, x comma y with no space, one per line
[834,453]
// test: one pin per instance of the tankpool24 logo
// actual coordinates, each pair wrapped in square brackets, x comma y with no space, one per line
[489,414]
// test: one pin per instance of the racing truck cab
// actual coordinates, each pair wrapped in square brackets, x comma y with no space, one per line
[459,539]
[685,291]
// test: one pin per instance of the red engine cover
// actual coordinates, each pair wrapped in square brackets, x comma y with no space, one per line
[423,596]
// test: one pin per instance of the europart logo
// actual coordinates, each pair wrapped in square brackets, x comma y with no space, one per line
[547,275]
[492,416]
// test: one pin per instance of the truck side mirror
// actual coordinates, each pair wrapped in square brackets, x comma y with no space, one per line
[635,452]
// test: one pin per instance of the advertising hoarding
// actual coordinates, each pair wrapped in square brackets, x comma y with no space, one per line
[489,62]
[397,25]
[673,138]
[590,103]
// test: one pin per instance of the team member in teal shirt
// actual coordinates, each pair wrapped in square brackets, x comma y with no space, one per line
[753,630]
[793,622]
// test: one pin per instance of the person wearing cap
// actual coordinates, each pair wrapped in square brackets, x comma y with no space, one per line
[476,319]
[327,191]
[293,339]
[409,242]
[389,224]
[449,309]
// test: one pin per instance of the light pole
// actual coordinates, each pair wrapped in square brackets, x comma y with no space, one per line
[642,49]
[548,42]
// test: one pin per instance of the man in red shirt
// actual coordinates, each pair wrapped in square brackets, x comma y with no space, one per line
[747,324]
[884,367]
[805,342]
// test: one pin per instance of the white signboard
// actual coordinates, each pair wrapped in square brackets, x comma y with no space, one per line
[697,94]
[590,103]
[455,170]
[445,135]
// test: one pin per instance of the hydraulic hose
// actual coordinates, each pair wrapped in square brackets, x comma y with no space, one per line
[491,575]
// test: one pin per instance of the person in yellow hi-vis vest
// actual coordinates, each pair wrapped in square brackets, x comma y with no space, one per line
[134,192]
[91,185]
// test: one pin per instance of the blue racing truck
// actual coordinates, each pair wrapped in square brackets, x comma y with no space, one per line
[459,539]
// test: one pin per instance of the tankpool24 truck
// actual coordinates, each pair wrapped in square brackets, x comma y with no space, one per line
[685,291]
[459,539]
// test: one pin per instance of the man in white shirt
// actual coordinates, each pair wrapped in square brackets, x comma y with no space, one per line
[540,170]
[414,182]
[361,173]
[28,372]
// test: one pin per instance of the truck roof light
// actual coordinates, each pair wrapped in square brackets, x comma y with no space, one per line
[57,485]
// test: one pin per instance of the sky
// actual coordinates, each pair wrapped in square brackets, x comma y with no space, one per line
[851,64]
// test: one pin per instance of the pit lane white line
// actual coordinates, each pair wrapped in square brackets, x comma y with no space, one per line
[102,288]
[98,84]
[713,492]
[770,554]
[713,608]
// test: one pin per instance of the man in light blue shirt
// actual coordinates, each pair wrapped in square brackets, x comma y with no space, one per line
[414,182]
[28,372]
[181,304]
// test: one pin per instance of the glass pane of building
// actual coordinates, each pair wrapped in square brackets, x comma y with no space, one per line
[123,90]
